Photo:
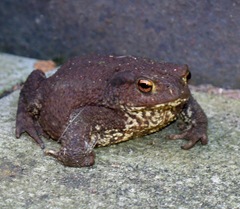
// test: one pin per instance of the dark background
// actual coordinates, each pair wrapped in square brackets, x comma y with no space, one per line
[204,34]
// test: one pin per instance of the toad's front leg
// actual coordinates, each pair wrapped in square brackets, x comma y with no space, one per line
[84,131]
[195,122]
[76,143]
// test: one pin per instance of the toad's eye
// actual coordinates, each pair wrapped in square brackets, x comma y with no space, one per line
[145,85]
[189,75]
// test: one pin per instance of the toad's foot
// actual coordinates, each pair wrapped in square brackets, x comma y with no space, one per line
[29,107]
[25,123]
[193,136]
[73,159]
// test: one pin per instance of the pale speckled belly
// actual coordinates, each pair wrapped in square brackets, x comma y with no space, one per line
[137,124]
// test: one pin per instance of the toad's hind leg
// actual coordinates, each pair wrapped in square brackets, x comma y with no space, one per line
[76,145]
[29,106]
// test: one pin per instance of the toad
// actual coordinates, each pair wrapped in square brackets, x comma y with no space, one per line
[96,101]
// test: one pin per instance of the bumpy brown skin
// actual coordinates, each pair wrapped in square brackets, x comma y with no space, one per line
[102,100]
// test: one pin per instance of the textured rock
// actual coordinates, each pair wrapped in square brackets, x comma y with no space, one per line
[148,172]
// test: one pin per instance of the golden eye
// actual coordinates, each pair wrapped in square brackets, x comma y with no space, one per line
[145,85]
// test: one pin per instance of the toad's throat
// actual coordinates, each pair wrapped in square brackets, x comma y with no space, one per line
[140,121]
[158,106]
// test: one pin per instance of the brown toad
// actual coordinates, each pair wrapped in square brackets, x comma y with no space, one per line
[102,100]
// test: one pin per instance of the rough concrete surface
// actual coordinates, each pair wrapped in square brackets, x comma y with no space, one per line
[148,172]
[203,34]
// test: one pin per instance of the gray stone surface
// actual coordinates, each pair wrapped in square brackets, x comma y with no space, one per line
[203,34]
[13,70]
[148,172]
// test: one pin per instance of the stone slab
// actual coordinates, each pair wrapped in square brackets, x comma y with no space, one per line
[148,172]
[13,70]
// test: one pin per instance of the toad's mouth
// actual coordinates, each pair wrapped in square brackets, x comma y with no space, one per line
[168,105]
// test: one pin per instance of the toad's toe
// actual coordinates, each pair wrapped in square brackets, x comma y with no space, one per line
[73,159]
[192,136]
